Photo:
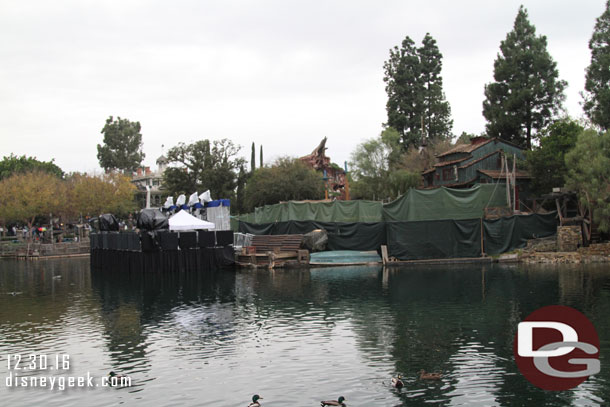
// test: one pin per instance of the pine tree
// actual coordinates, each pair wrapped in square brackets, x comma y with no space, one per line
[526,93]
[415,93]
[597,85]
[260,161]
[405,92]
[437,112]
[253,158]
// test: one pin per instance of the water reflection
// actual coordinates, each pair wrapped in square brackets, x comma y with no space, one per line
[294,336]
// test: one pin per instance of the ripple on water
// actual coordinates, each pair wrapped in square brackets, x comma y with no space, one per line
[293,337]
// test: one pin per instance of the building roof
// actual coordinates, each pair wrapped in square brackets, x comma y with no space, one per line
[444,163]
[496,174]
[475,144]
[467,148]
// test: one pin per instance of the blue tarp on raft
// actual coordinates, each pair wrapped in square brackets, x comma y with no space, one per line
[344,257]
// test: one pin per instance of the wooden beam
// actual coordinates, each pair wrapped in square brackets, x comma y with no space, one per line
[559,212]
[384,254]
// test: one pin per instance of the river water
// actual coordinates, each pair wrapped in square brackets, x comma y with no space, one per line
[295,337]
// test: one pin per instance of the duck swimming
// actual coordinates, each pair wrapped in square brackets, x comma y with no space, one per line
[116,379]
[339,402]
[255,401]
[397,382]
[429,376]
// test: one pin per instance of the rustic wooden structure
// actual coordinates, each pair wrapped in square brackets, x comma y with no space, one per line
[571,212]
[273,251]
[334,176]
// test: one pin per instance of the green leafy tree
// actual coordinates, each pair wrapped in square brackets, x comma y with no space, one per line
[588,166]
[405,92]
[287,179]
[526,93]
[415,93]
[203,165]
[122,146]
[436,110]
[546,163]
[24,196]
[94,195]
[420,160]
[13,164]
[375,174]
[597,84]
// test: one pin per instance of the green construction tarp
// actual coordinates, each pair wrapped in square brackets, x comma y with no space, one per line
[415,205]
[438,239]
[445,203]
[341,235]
[512,232]
[335,211]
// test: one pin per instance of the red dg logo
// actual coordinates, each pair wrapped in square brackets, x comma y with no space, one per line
[556,348]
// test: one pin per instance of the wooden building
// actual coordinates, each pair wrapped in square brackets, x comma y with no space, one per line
[480,162]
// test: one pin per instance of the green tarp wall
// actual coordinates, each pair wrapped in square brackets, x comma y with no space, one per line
[423,239]
[445,203]
[505,234]
[438,239]
[335,211]
[415,205]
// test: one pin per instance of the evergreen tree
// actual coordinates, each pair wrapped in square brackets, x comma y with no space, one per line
[588,165]
[437,112]
[526,93]
[240,191]
[405,92]
[546,163]
[597,84]
[415,93]
[122,148]
[253,158]
[260,161]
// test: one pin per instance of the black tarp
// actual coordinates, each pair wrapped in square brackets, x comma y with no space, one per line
[108,223]
[341,235]
[509,233]
[437,239]
[152,220]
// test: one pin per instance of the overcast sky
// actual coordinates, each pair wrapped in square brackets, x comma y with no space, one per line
[283,74]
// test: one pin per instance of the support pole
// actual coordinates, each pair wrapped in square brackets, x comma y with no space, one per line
[482,236]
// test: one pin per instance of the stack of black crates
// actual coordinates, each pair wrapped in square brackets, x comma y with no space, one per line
[161,251]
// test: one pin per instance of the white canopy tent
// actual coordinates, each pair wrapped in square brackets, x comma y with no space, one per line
[185,221]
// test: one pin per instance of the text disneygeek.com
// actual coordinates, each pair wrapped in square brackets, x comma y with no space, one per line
[65,382]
